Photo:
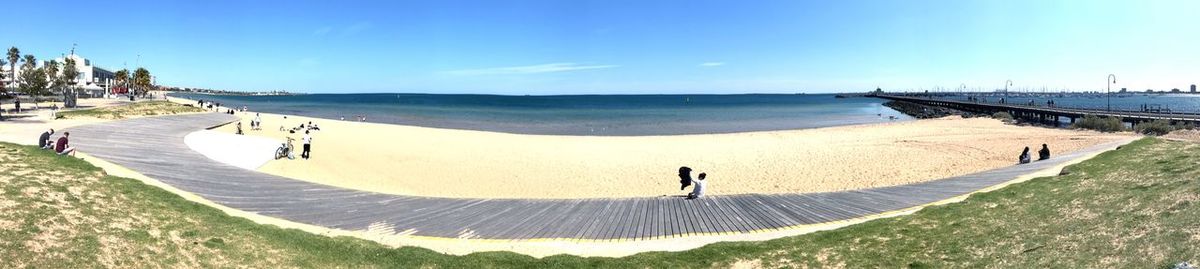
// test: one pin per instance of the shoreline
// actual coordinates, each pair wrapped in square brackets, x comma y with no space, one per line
[575,117]
[432,162]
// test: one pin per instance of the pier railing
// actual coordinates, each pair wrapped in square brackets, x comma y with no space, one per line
[1047,111]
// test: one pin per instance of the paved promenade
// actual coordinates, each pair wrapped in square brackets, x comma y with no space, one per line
[154,147]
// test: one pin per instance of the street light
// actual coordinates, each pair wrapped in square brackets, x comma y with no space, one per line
[1006,84]
[1108,99]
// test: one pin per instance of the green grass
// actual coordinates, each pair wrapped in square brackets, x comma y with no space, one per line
[138,109]
[1134,207]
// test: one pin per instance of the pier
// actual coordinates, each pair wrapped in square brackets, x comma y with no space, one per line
[1046,113]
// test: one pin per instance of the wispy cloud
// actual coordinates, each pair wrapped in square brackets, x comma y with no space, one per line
[527,69]
[356,28]
[322,31]
[712,64]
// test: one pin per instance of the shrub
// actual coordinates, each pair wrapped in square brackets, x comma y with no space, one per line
[1003,116]
[1182,126]
[1156,127]
[1103,124]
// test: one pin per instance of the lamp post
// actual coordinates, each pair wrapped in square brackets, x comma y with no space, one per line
[1006,84]
[1108,93]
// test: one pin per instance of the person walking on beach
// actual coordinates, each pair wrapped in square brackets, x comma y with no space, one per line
[1024,158]
[698,190]
[256,124]
[307,145]
[1044,153]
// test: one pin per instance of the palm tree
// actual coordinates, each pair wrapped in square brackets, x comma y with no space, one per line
[120,77]
[14,55]
[141,78]
[33,79]
[70,73]
[3,86]
[51,69]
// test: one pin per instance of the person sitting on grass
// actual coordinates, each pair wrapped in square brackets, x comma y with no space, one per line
[1044,153]
[1024,158]
[698,190]
[62,147]
[44,141]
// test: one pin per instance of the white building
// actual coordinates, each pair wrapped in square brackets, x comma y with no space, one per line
[92,80]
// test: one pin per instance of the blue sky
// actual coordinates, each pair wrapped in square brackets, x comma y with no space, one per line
[625,47]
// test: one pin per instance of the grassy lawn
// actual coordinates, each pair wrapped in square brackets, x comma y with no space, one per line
[138,109]
[1134,207]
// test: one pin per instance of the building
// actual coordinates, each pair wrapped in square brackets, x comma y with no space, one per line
[1193,88]
[1123,90]
[92,80]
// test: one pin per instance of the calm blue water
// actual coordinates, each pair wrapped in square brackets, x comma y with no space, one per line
[602,115]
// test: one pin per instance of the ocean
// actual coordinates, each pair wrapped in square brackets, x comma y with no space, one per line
[593,115]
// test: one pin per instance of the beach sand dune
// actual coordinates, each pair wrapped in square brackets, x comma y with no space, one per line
[460,163]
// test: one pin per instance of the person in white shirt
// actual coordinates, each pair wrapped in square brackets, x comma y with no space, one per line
[256,124]
[698,190]
[307,145]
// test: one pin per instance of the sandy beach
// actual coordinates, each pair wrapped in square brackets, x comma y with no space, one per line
[460,163]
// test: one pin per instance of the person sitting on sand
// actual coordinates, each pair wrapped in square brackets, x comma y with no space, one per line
[63,147]
[1044,153]
[1024,158]
[698,190]
[685,177]
[44,141]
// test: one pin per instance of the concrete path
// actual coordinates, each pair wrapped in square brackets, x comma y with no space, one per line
[154,147]
[245,151]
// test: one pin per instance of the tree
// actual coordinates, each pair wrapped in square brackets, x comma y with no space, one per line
[53,80]
[4,87]
[34,81]
[121,77]
[70,72]
[14,55]
[141,79]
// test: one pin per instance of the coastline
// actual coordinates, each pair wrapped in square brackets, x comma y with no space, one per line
[578,115]
[425,161]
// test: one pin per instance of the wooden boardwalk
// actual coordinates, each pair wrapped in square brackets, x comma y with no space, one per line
[154,147]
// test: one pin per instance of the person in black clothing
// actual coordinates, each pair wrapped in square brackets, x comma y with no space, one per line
[685,177]
[44,141]
[1044,153]
[1024,158]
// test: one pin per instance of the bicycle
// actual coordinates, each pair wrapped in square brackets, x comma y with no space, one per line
[285,150]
